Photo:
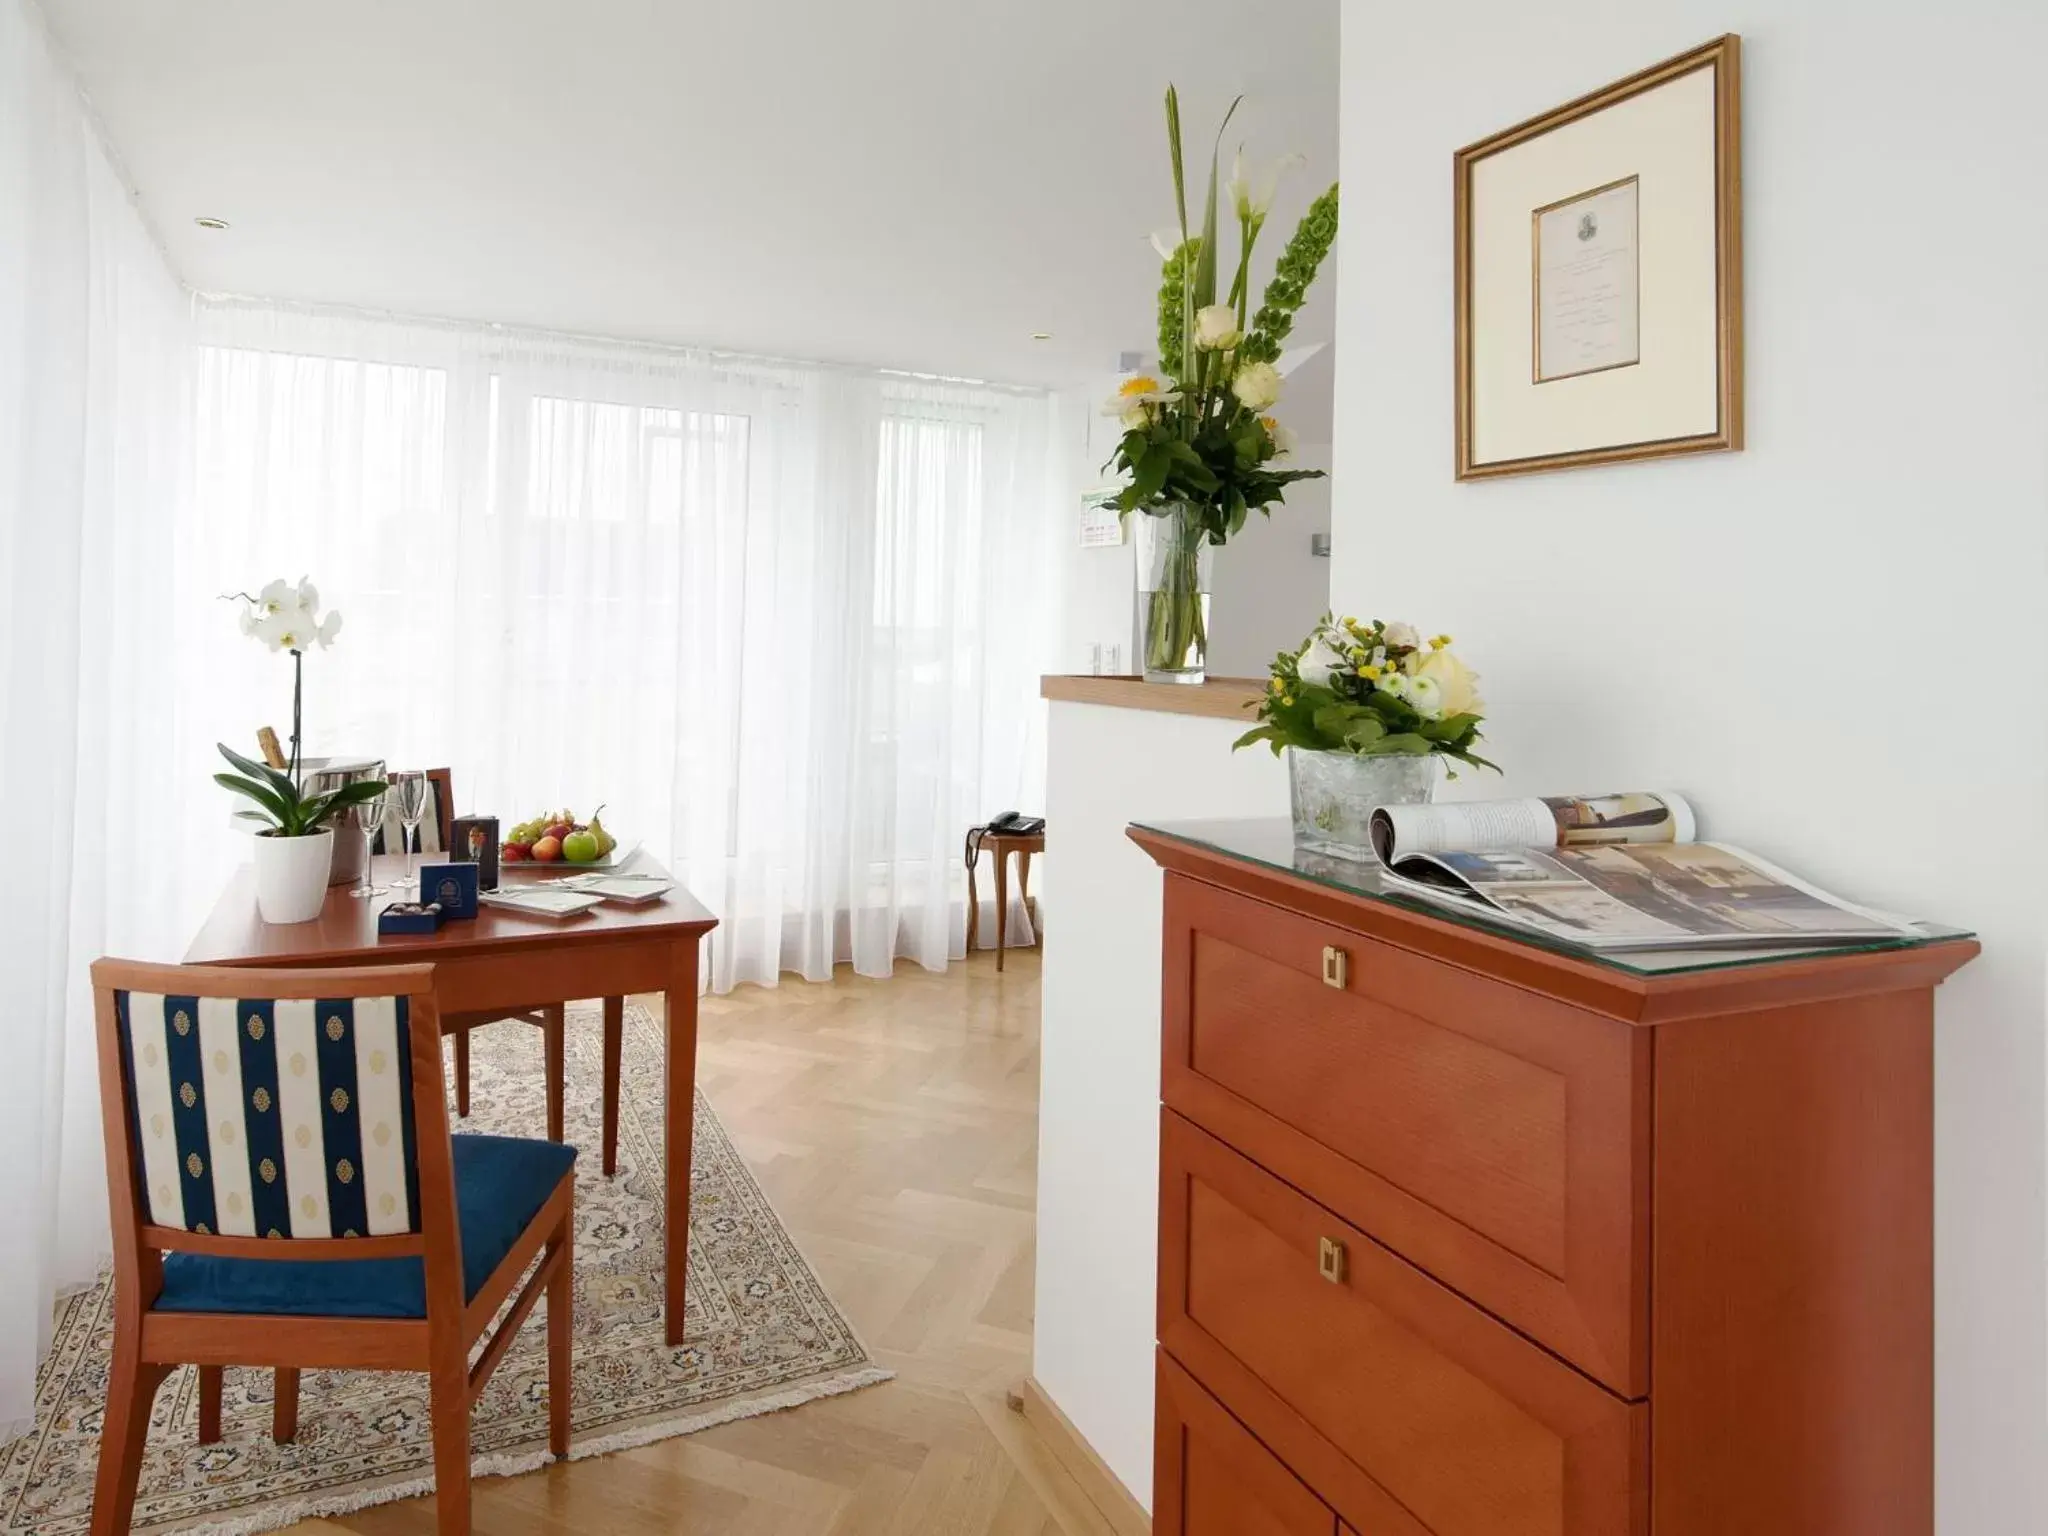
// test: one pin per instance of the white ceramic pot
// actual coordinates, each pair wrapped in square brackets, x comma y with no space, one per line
[291,876]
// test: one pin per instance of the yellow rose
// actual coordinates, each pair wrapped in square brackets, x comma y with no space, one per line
[1457,685]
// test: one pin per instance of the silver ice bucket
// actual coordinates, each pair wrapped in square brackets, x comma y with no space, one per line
[324,776]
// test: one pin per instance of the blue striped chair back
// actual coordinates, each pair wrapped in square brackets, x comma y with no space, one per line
[287,1118]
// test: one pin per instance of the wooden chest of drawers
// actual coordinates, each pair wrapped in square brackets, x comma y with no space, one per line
[1461,1237]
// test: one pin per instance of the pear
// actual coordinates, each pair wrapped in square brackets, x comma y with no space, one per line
[605,841]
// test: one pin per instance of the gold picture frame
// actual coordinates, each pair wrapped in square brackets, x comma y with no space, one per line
[1607,298]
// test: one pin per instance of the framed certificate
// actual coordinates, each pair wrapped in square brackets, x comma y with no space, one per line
[1598,253]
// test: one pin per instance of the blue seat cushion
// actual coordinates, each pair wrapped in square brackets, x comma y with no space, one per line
[501,1182]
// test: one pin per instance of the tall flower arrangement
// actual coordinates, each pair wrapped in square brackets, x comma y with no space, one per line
[1201,447]
[1204,435]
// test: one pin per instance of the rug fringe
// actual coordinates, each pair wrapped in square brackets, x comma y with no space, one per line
[343,1501]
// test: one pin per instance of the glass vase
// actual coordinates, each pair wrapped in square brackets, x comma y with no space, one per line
[1175,564]
[1335,793]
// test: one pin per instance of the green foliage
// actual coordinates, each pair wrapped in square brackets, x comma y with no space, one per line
[1173,315]
[1224,471]
[1297,269]
[284,804]
[1355,711]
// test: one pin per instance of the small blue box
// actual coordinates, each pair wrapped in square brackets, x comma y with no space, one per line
[454,886]
[390,920]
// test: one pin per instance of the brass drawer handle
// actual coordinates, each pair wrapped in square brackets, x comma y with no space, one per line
[1336,967]
[1331,1261]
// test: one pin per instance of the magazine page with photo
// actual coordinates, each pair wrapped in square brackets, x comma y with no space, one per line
[1610,872]
[1558,821]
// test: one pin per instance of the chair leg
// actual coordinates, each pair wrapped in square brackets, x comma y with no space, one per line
[210,1382]
[552,1032]
[450,1411]
[131,1388]
[462,1074]
[284,1406]
[614,1050]
[561,1330]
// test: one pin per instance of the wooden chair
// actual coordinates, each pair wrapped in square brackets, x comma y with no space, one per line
[549,1019]
[286,1194]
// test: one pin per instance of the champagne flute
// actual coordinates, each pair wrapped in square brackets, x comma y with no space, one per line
[369,816]
[411,787]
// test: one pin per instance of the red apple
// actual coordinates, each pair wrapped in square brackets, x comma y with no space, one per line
[557,830]
[548,849]
[515,853]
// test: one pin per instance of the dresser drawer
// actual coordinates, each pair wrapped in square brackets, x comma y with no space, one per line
[1408,1409]
[1496,1138]
[1212,1478]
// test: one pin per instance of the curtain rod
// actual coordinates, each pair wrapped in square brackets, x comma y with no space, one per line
[498,328]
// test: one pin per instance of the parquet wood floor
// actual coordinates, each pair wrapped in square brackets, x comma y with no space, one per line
[894,1125]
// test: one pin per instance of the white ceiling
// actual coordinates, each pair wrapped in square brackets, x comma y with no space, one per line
[910,183]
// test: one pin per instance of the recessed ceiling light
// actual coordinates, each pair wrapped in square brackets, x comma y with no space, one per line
[1041,335]
[211,223]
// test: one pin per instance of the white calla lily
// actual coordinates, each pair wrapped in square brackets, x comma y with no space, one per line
[1253,200]
[1167,241]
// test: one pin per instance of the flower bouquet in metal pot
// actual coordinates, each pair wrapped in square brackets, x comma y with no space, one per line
[1366,714]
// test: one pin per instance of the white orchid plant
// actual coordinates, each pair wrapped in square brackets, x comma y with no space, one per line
[287,618]
[1372,690]
[1203,436]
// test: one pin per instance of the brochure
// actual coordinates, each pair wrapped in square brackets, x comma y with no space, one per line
[1609,872]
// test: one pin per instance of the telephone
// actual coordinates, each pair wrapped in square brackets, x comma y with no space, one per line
[1012,823]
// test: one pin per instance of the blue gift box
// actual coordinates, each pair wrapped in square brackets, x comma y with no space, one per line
[391,920]
[454,886]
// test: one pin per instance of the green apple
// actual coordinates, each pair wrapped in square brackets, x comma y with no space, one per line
[580,848]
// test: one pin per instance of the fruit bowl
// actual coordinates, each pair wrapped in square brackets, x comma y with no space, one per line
[558,843]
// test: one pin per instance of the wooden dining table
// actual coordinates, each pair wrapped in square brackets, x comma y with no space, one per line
[502,959]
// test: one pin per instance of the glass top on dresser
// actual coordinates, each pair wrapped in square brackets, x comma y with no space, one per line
[1270,842]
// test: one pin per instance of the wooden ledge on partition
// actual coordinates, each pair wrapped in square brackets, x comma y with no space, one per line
[1222,698]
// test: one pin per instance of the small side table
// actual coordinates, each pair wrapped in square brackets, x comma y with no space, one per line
[1000,845]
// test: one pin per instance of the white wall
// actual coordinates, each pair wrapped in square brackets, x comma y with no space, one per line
[1269,588]
[1095,585]
[1098,1132]
[1826,638]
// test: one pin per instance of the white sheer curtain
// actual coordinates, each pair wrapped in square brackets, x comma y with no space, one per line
[786,622]
[95,347]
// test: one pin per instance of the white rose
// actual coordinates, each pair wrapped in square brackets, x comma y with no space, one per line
[1257,385]
[1216,328]
[1318,660]
[1457,685]
[1404,637]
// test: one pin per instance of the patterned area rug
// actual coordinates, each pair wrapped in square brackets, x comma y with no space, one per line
[761,1335]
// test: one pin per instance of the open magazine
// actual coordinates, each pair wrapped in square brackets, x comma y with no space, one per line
[1610,872]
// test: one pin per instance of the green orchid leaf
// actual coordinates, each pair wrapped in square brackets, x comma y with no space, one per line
[270,804]
[275,777]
